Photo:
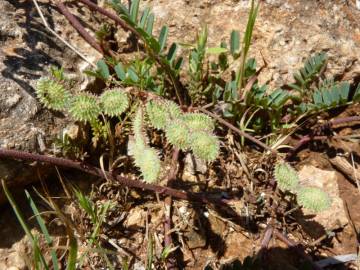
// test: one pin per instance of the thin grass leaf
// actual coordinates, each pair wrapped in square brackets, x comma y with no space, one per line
[23,224]
[163,36]
[44,230]
[234,42]
[73,251]
[144,17]
[134,10]
[120,8]
[216,50]
[150,24]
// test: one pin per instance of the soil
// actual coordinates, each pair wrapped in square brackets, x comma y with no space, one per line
[207,236]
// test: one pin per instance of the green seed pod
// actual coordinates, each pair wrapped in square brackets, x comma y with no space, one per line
[149,164]
[52,94]
[205,146]
[114,102]
[84,107]
[160,112]
[178,134]
[313,199]
[286,177]
[198,121]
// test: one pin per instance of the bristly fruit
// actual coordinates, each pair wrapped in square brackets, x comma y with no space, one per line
[313,199]
[114,102]
[199,121]
[205,146]
[286,177]
[84,107]
[178,134]
[161,112]
[52,94]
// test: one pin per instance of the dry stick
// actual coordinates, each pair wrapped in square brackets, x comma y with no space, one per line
[77,25]
[296,247]
[62,162]
[177,84]
[304,140]
[171,261]
[58,36]
[240,132]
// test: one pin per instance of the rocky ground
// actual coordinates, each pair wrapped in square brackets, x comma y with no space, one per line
[286,33]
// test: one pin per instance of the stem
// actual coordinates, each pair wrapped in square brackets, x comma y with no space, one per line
[240,132]
[77,25]
[173,78]
[62,162]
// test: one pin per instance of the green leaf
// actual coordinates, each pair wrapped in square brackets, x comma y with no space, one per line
[216,50]
[144,17]
[103,69]
[44,230]
[163,36]
[234,42]
[179,63]
[120,72]
[172,52]
[150,24]
[356,96]
[132,74]
[134,10]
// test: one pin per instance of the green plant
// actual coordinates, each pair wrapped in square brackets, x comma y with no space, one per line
[311,198]
[38,256]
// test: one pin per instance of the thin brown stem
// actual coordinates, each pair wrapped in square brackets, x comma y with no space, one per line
[163,64]
[171,261]
[79,28]
[240,132]
[62,162]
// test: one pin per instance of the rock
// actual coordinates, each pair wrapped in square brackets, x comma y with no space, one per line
[15,257]
[27,51]
[335,216]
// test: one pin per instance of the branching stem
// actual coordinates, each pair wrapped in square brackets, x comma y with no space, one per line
[62,162]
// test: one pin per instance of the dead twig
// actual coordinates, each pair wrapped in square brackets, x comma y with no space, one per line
[312,137]
[171,261]
[240,132]
[297,247]
[62,162]
[58,36]
[79,28]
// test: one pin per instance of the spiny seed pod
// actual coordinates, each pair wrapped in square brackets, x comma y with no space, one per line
[313,199]
[114,102]
[178,134]
[84,107]
[198,121]
[138,127]
[52,94]
[205,146]
[161,112]
[286,177]
[149,163]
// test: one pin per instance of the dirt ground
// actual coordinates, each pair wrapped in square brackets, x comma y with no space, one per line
[207,236]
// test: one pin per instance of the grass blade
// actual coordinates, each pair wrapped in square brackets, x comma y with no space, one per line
[44,230]
[163,36]
[134,10]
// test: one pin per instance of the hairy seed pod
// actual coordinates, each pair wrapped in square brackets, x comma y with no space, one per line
[198,121]
[178,134]
[286,177]
[204,145]
[114,102]
[52,94]
[149,164]
[84,107]
[313,199]
[161,112]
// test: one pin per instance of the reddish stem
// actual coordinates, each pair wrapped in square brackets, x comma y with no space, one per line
[77,25]
[62,162]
